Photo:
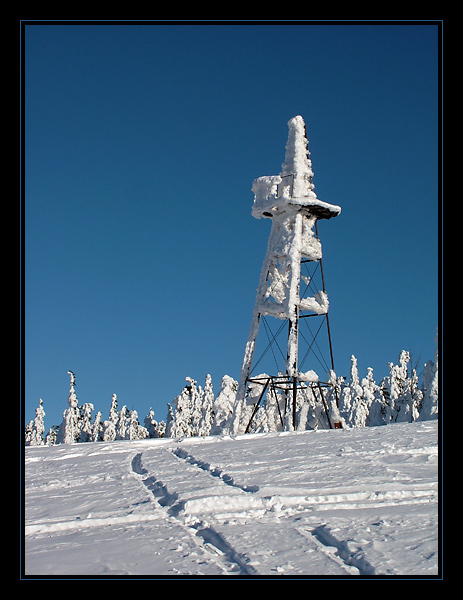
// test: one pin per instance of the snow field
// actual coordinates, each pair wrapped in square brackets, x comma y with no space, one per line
[358,502]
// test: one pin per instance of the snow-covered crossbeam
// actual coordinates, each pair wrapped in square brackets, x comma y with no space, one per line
[293,187]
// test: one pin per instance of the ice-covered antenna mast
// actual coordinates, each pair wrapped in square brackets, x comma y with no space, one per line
[290,201]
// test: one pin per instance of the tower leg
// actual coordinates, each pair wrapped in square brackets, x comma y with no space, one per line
[245,372]
[293,297]
[294,402]
[293,311]
[254,329]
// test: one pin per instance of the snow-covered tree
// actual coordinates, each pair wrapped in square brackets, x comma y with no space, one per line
[352,407]
[154,429]
[273,408]
[370,389]
[180,419]
[363,396]
[260,422]
[122,423]
[318,399]
[358,409]
[85,423]
[207,408]
[195,402]
[36,428]
[416,396]
[171,427]
[303,416]
[69,429]
[310,413]
[97,428]
[113,412]
[28,433]
[50,440]
[429,403]
[135,431]
[345,404]
[332,398]
[397,398]
[150,423]
[223,406]
[404,395]
[381,409]
[109,427]
[161,429]
[108,433]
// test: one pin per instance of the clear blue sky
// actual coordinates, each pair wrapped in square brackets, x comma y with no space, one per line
[141,145]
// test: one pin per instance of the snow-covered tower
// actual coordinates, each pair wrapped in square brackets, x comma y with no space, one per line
[290,201]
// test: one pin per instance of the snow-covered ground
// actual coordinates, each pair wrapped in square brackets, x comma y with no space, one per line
[329,502]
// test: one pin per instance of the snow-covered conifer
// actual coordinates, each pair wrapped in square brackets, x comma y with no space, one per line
[38,428]
[69,429]
[416,396]
[113,412]
[273,402]
[85,423]
[361,399]
[345,404]
[135,431]
[50,439]
[397,396]
[351,405]
[150,423]
[260,422]
[195,402]
[109,427]
[154,429]
[207,408]
[122,423]
[429,403]
[171,430]
[161,429]
[108,433]
[358,411]
[223,406]
[28,433]
[398,392]
[97,428]
[332,398]
[303,416]
[184,404]
[370,389]
[380,409]
[348,392]
[310,410]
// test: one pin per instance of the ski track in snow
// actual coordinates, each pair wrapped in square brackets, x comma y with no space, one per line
[290,504]
[354,561]
[213,471]
[207,538]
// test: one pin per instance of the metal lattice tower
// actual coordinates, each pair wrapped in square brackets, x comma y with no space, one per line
[290,201]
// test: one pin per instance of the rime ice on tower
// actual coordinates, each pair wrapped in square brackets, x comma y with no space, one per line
[290,201]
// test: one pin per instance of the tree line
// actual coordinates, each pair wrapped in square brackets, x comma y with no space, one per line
[197,411]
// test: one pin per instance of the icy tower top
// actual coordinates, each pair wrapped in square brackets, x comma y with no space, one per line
[293,187]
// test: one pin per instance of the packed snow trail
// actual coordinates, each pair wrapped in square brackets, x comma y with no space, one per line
[207,538]
[360,502]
